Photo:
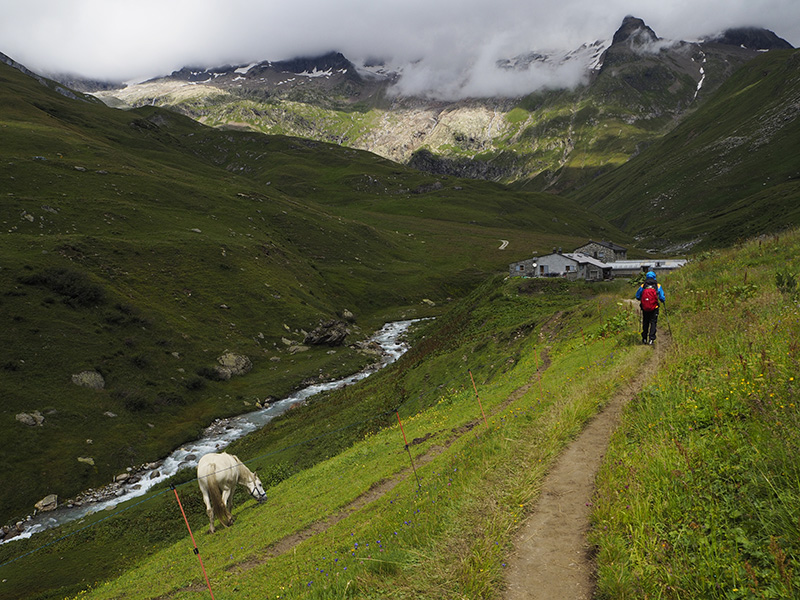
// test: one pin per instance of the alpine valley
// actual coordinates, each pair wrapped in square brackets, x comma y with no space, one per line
[191,247]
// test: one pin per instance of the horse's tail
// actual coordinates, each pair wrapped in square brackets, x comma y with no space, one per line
[215,495]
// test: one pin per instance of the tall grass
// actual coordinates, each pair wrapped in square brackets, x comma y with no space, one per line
[700,494]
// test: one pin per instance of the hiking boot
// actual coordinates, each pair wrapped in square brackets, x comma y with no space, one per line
[650,343]
[644,341]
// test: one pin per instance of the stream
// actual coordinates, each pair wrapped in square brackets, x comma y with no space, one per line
[214,438]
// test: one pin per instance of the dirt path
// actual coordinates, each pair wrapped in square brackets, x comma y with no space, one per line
[553,560]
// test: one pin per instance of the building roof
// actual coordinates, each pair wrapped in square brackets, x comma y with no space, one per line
[661,263]
[582,258]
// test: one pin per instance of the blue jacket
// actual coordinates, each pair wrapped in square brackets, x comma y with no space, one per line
[651,279]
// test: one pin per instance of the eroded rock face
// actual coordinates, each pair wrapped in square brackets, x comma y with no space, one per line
[331,333]
[89,379]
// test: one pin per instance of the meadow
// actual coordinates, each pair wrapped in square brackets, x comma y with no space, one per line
[142,245]
[420,490]
[699,496]
[548,341]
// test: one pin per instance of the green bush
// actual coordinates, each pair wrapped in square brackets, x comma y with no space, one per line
[75,287]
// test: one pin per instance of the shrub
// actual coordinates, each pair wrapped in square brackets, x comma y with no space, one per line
[140,361]
[75,287]
[195,383]
[209,373]
[170,399]
[787,284]
[136,403]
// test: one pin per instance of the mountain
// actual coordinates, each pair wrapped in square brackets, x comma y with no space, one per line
[753,38]
[140,247]
[728,171]
[634,89]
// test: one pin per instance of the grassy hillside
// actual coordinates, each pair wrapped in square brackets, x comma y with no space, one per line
[699,494]
[697,497]
[727,172]
[321,457]
[142,246]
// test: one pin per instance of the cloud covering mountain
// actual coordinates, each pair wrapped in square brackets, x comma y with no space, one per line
[448,45]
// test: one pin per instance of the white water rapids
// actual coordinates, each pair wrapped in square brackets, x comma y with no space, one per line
[218,436]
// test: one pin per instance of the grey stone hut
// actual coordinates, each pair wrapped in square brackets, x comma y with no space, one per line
[604,251]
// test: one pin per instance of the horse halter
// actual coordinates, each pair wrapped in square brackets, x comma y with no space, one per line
[258,492]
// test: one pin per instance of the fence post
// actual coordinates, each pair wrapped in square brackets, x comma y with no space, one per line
[405,441]
[474,387]
[191,535]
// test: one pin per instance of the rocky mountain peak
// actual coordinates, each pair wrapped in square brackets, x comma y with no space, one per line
[634,32]
[330,61]
[752,38]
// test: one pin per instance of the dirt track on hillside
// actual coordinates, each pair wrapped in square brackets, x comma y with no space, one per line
[552,558]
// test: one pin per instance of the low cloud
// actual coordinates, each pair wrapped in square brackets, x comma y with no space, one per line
[449,47]
[487,76]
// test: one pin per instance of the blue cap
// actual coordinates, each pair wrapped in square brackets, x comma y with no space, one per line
[650,275]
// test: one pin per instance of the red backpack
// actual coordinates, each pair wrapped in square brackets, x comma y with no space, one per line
[649,298]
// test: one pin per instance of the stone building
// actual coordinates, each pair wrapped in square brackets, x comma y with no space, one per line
[604,251]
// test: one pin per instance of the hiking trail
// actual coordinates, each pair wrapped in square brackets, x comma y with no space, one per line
[552,558]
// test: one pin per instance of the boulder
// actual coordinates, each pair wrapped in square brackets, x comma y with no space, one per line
[89,379]
[34,419]
[370,347]
[49,502]
[330,333]
[231,364]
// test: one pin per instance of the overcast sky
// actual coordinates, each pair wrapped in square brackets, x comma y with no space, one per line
[135,39]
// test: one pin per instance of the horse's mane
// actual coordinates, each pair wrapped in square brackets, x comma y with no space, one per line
[245,474]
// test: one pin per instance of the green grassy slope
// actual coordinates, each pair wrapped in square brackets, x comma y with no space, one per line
[142,245]
[319,457]
[697,497]
[727,172]
[699,494]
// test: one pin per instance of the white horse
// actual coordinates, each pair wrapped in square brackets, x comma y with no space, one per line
[218,475]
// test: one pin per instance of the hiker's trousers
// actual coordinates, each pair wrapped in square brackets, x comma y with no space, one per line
[649,322]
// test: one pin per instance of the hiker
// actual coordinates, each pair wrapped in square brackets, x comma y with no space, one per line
[649,294]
